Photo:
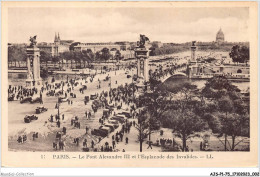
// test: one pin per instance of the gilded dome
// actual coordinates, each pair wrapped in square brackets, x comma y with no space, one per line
[220,36]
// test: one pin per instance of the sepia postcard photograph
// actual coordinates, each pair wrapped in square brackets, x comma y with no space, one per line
[134,84]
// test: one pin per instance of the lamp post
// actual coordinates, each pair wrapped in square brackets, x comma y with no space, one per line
[58,107]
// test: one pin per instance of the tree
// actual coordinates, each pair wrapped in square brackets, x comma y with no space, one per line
[17,53]
[45,56]
[143,128]
[184,124]
[233,125]
[156,103]
[226,106]
[118,55]
[229,105]
[87,56]
[218,86]
[239,54]
[105,54]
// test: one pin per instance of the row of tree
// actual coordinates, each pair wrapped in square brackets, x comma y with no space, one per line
[188,111]
[18,53]
[239,54]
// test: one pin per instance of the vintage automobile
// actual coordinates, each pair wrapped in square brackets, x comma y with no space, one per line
[106,129]
[112,121]
[41,109]
[35,100]
[93,97]
[99,132]
[118,118]
[106,113]
[128,76]
[84,87]
[126,114]
[106,79]
[112,126]
[87,98]
[11,97]
[58,93]
[135,77]
[29,118]
[25,100]
[50,93]
[65,99]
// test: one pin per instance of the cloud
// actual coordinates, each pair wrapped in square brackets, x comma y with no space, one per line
[90,25]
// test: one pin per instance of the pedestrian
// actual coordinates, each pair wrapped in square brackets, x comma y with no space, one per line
[113,144]
[62,116]
[77,141]
[85,143]
[64,130]
[58,124]
[121,137]
[92,144]
[86,130]
[33,136]
[117,139]
[54,144]
[149,145]
[51,118]
[24,138]
[126,140]
[19,139]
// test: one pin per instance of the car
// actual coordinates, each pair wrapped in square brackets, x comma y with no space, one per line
[126,114]
[118,118]
[128,76]
[65,99]
[11,97]
[112,121]
[99,132]
[84,87]
[41,109]
[29,118]
[25,100]
[36,100]
[106,79]
[114,126]
[93,97]
[106,129]
[106,113]
[111,127]
[50,93]
[87,98]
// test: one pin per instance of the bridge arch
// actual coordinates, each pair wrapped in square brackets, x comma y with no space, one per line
[177,75]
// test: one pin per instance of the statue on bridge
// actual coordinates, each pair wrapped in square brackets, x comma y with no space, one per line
[33,41]
[143,39]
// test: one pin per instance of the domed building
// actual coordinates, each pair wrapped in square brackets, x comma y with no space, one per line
[220,37]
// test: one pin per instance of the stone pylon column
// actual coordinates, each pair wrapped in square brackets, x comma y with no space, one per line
[33,67]
[193,51]
[142,55]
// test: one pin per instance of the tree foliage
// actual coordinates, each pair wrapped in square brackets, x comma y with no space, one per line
[17,53]
[239,54]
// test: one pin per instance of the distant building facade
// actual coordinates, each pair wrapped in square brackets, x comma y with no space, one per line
[94,47]
[59,46]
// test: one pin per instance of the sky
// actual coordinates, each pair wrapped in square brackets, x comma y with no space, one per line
[175,25]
